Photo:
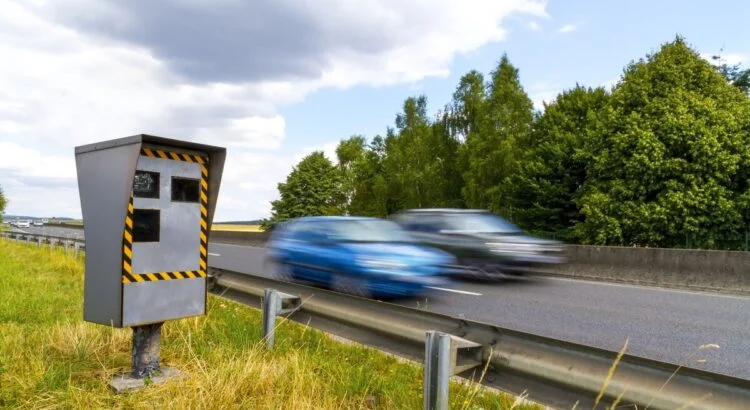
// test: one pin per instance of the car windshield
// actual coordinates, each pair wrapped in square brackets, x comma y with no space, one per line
[368,231]
[481,222]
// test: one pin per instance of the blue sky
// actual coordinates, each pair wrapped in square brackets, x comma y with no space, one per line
[607,35]
[273,80]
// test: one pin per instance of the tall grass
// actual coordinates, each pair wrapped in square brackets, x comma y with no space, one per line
[50,358]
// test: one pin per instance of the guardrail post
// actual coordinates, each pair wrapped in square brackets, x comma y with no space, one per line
[39,241]
[437,370]
[274,304]
[66,244]
[446,355]
[75,250]
[28,239]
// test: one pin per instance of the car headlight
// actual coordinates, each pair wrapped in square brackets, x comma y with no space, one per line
[380,263]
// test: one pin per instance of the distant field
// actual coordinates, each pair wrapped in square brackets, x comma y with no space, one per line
[236,228]
[65,222]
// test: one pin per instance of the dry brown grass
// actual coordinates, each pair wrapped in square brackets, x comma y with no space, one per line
[236,228]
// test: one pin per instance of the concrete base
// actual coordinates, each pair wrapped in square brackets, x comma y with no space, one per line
[126,382]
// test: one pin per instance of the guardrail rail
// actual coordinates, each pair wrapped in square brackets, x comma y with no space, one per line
[553,372]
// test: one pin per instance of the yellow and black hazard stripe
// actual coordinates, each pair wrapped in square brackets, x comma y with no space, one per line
[127,256]
[151,277]
[175,156]
[203,261]
[127,245]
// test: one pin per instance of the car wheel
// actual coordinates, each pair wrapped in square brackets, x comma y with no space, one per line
[352,286]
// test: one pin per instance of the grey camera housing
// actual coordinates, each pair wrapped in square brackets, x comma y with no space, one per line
[147,203]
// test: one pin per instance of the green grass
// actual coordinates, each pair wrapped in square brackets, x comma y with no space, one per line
[51,358]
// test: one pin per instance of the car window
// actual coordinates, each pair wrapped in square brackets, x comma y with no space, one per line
[367,230]
[426,224]
[480,222]
[311,231]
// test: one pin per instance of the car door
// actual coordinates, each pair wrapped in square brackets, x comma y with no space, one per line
[312,253]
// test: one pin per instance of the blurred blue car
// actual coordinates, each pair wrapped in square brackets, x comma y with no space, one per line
[365,256]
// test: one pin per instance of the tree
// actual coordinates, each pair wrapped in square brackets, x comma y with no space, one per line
[312,188]
[467,112]
[349,153]
[370,196]
[554,166]
[3,203]
[670,157]
[417,159]
[735,74]
[492,151]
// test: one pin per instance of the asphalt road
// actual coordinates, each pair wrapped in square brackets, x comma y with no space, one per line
[660,324]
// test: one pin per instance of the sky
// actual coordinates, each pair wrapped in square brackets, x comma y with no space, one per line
[273,80]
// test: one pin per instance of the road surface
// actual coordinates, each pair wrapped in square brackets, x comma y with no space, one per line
[660,324]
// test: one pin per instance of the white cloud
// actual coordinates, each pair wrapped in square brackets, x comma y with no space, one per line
[541,92]
[533,25]
[728,58]
[568,28]
[63,86]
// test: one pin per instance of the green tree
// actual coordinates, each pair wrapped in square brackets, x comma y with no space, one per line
[670,157]
[3,203]
[554,167]
[466,114]
[492,151]
[465,118]
[350,153]
[370,196]
[418,157]
[312,188]
[735,74]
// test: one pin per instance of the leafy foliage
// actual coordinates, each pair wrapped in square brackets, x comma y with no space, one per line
[667,158]
[3,203]
[492,149]
[735,74]
[554,167]
[662,156]
[312,188]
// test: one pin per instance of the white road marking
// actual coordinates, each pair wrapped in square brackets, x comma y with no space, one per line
[214,254]
[650,288]
[463,292]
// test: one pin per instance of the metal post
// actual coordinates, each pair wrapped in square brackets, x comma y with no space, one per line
[271,308]
[146,349]
[39,242]
[437,370]
[276,303]
[75,250]
[66,244]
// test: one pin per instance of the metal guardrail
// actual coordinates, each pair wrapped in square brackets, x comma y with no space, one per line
[76,244]
[553,372]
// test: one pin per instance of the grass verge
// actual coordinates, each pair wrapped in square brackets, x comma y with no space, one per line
[50,358]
